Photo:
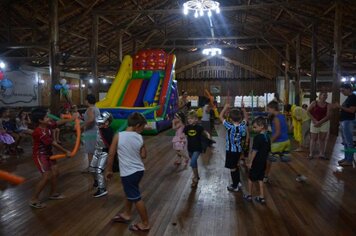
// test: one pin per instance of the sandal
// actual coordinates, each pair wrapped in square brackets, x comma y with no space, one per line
[195,182]
[37,205]
[56,196]
[247,197]
[260,200]
[136,227]
[119,219]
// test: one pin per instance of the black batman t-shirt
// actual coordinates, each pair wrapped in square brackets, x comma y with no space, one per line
[194,135]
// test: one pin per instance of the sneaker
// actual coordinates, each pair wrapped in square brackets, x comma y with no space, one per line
[247,197]
[101,192]
[301,178]
[260,200]
[265,179]
[231,188]
[345,163]
[285,159]
[273,158]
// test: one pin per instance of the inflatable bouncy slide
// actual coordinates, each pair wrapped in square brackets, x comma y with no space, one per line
[145,84]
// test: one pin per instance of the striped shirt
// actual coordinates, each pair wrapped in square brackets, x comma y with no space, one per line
[234,135]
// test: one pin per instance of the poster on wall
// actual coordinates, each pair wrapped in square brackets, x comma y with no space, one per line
[19,88]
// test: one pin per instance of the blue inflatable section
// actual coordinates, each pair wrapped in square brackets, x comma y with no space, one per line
[151,90]
[119,113]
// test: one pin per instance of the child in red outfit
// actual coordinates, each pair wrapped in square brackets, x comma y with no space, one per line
[42,150]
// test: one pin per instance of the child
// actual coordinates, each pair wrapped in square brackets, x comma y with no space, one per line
[10,127]
[194,134]
[103,141]
[179,140]
[236,129]
[131,149]
[280,141]
[22,121]
[6,139]
[42,150]
[245,144]
[258,158]
[75,113]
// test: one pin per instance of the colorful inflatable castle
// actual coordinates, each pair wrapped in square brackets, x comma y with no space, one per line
[145,84]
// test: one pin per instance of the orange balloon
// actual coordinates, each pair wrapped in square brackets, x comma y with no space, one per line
[14,179]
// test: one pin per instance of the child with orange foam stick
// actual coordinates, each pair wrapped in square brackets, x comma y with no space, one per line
[77,143]
[13,179]
[42,150]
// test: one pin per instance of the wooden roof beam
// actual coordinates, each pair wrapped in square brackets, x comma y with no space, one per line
[235,45]
[179,11]
[246,67]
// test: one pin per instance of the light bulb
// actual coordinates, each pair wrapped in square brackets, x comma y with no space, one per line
[41,81]
[91,81]
[104,81]
[343,80]
[185,10]
[2,65]
[196,14]
[352,79]
[209,13]
[201,12]
[83,85]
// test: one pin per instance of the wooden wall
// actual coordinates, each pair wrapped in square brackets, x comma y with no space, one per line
[232,64]
[45,91]
[235,87]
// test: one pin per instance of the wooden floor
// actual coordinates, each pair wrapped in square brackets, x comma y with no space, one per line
[325,205]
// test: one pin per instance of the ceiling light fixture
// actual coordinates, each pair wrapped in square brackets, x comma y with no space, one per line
[200,7]
[212,51]
[2,65]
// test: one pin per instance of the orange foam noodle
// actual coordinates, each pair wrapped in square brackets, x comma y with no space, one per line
[14,179]
[76,146]
[66,116]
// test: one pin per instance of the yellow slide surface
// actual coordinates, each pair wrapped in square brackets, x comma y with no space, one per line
[117,88]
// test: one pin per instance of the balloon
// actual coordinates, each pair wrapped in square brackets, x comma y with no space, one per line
[6,83]
[57,87]
[63,81]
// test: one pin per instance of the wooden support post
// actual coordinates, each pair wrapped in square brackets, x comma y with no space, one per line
[298,99]
[286,80]
[120,46]
[314,63]
[334,128]
[54,69]
[94,54]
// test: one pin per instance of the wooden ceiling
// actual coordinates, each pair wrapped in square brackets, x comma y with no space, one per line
[241,25]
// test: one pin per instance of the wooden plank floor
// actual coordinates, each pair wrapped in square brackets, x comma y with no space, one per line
[325,205]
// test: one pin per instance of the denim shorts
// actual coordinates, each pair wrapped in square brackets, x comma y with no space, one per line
[131,186]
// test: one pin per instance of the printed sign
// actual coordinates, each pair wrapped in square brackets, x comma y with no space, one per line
[19,88]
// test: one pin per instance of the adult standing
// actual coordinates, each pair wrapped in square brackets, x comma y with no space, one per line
[319,112]
[89,127]
[184,103]
[347,117]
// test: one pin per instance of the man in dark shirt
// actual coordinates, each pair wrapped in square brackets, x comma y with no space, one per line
[347,117]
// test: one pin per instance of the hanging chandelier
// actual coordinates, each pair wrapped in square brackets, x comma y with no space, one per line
[200,7]
[212,51]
